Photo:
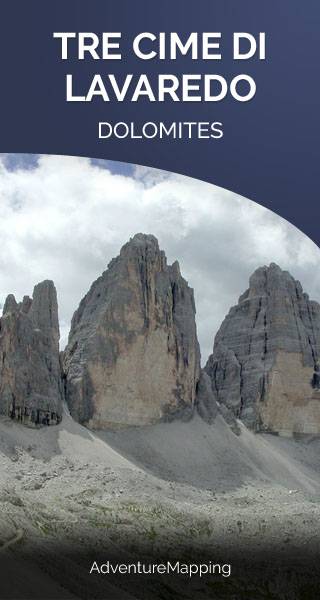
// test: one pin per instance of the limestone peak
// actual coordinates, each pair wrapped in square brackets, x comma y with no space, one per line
[133,355]
[265,359]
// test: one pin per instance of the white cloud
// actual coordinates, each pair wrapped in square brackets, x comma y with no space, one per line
[65,219]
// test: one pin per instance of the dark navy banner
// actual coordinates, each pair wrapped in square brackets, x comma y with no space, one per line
[269,151]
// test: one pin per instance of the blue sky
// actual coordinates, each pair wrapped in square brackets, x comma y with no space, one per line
[14,162]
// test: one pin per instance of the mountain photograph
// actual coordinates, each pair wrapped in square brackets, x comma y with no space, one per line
[159,389]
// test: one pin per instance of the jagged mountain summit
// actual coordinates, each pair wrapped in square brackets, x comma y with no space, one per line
[133,355]
[265,361]
[30,373]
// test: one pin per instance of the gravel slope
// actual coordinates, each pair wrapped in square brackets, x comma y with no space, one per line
[167,488]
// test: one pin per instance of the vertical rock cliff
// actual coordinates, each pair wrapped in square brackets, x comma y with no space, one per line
[265,361]
[30,374]
[133,355]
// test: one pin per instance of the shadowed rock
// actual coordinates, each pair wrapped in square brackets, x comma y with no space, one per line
[30,374]
[265,361]
[133,355]
[206,400]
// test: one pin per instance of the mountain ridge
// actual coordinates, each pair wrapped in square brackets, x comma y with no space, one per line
[133,356]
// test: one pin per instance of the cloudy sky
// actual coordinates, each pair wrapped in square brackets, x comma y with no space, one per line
[64,218]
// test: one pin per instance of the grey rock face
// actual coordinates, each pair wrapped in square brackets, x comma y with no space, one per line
[30,373]
[206,400]
[133,355]
[265,361]
[208,407]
